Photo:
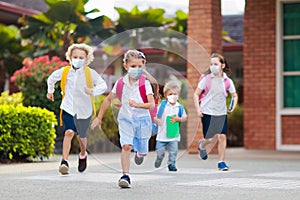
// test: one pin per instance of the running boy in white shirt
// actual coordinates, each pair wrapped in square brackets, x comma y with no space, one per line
[134,119]
[76,105]
[167,135]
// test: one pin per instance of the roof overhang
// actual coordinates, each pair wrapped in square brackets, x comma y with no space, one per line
[10,13]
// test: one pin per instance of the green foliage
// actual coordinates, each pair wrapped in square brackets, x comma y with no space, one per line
[14,99]
[63,24]
[180,22]
[152,17]
[26,132]
[31,79]
[11,48]
[235,135]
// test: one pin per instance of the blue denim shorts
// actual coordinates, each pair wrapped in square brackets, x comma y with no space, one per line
[135,131]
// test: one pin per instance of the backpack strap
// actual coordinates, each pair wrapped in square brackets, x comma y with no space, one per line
[142,88]
[180,111]
[161,108]
[89,83]
[227,86]
[119,88]
[63,82]
[207,85]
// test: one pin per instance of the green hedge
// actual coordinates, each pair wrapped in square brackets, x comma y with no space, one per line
[235,135]
[14,99]
[26,132]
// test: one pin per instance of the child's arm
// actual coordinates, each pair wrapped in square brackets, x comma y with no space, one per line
[196,101]
[149,105]
[235,100]
[52,79]
[183,117]
[106,103]
[179,119]
[99,85]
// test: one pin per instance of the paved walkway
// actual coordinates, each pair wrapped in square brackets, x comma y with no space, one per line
[253,174]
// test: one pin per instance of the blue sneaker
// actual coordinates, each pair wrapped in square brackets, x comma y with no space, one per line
[138,160]
[172,168]
[222,166]
[203,153]
[124,181]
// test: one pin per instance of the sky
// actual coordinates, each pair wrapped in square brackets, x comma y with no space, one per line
[106,7]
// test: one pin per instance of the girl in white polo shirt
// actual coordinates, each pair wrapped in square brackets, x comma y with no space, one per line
[212,108]
[134,120]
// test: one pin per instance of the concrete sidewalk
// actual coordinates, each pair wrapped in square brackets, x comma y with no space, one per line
[253,174]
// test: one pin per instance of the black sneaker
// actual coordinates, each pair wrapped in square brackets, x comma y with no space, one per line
[82,164]
[172,168]
[124,181]
[64,167]
[138,160]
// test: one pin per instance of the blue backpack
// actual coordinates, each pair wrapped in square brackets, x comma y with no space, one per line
[160,112]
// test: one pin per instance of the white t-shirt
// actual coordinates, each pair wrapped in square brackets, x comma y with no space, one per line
[76,101]
[214,103]
[132,92]
[162,130]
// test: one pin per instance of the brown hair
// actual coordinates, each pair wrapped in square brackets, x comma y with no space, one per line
[222,60]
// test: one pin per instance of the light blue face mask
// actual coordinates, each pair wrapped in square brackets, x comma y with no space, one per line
[135,73]
[77,63]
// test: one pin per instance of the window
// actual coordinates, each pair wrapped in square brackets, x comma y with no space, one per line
[291,55]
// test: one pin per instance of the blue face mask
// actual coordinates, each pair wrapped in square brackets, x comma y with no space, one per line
[135,73]
[77,63]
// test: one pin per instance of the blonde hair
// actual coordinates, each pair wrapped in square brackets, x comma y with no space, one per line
[88,50]
[172,85]
[134,54]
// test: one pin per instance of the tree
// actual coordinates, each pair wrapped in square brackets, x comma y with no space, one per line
[63,24]
[11,52]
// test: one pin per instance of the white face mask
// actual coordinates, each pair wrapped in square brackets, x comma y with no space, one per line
[215,69]
[77,63]
[135,72]
[172,98]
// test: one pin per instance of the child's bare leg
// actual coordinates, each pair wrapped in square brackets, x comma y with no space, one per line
[209,143]
[82,143]
[67,143]
[125,158]
[222,146]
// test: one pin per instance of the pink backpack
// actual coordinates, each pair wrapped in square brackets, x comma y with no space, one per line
[142,89]
[208,85]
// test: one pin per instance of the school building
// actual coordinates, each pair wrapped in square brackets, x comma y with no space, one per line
[271,66]
[271,69]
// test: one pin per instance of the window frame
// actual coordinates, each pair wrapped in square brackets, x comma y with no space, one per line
[280,74]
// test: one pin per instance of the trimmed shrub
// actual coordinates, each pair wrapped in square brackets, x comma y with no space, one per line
[26,132]
[14,99]
[235,135]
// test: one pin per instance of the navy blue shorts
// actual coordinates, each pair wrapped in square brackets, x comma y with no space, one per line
[79,126]
[212,125]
